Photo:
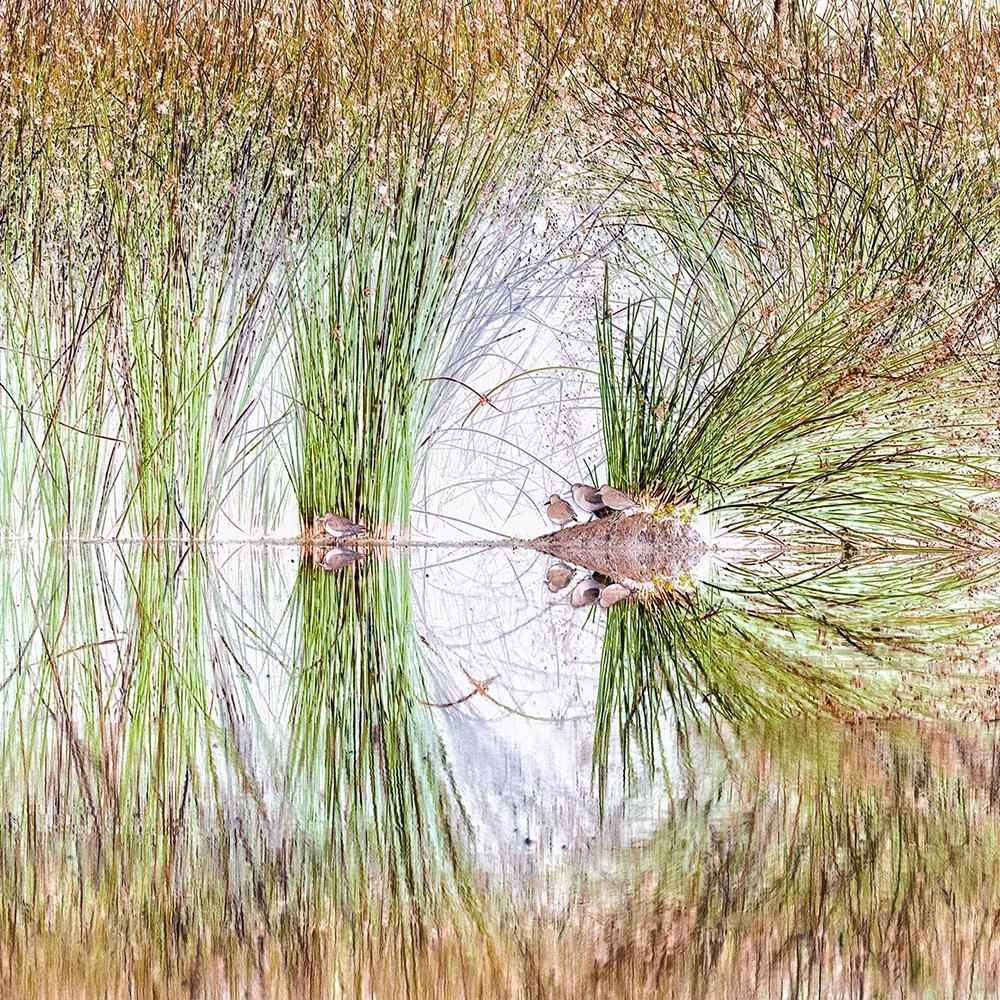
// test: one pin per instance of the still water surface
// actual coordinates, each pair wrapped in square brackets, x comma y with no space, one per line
[227,772]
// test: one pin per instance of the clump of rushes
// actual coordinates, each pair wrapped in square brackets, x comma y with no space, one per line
[809,427]
[815,147]
[371,300]
[826,285]
[55,320]
[135,327]
[192,327]
[167,160]
[136,300]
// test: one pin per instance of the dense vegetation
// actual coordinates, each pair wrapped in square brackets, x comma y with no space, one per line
[235,237]
[239,244]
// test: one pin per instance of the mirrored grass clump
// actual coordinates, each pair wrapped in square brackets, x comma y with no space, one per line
[500,499]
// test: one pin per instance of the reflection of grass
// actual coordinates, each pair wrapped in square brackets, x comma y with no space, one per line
[682,664]
[127,769]
[366,767]
[370,786]
[816,861]
[787,640]
[153,820]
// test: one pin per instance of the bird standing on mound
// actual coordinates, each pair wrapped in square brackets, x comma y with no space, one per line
[559,576]
[585,592]
[614,593]
[615,499]
[560,512]
[587,498]
[340,527]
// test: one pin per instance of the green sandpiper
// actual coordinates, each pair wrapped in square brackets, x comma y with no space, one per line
[340,527]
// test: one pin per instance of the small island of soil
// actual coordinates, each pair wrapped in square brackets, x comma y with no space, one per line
[637,548]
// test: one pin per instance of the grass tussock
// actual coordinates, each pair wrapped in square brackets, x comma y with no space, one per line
[195,200]
[823,309]
[803,430]
[371,303]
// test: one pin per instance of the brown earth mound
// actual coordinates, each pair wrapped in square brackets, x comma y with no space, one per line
[636,548]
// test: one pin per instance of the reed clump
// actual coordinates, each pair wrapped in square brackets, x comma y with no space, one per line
[372,298]
[824,301]
[185,191]
[192,201]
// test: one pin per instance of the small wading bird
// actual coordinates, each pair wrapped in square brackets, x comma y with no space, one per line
[340,527]
[587,498]
[559,576]
[614,593]
[615,499]
[560,512]
[585,592]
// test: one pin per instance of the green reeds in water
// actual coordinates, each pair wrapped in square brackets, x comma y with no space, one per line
[373,295]
[822,308]
[806,427]
[135,326]
[195,322]
[59,446]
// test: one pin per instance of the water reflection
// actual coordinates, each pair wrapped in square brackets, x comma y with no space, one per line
[808,859]
[369,783]
[134,792]
[226,770]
